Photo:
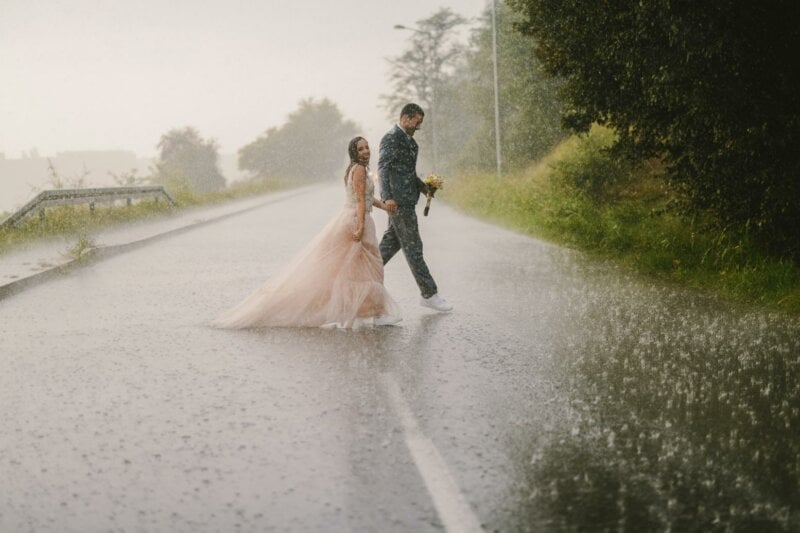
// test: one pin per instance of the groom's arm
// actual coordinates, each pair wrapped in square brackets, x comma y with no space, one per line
[423,187]
[387,154]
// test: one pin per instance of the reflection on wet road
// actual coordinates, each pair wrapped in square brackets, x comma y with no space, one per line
[561,395]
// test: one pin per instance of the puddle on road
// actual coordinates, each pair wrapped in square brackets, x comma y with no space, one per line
[684,415]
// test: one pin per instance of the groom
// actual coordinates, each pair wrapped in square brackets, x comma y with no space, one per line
[400,190]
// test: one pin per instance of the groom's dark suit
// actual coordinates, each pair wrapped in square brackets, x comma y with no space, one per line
[397,167]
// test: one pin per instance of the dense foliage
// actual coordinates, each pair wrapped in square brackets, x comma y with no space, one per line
[310,146]
[187,162]
[581,196]
[709,86]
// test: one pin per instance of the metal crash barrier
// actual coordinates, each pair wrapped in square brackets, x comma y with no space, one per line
[59,197]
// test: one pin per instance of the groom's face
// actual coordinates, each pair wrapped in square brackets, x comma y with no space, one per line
[411,124]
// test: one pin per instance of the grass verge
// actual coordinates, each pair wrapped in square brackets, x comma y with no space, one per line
[78,221]
[578,196]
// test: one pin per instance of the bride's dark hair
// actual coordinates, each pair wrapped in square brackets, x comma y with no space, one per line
[352,151]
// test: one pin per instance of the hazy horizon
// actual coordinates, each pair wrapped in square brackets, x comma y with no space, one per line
[86,75]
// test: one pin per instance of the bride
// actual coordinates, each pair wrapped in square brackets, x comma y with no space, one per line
[337,279]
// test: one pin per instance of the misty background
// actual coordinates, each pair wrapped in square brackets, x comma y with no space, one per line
[92,86]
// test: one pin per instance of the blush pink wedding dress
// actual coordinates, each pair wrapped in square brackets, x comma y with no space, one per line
[333,282]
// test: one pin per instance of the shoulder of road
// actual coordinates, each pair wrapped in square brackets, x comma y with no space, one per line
[42,260]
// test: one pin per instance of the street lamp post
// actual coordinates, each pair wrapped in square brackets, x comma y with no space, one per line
[496,91]
[434,82]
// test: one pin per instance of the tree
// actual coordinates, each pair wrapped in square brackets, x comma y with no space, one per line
[421,73]
[186,161]
[530,109]
[709,86]
[311,146]
[464,95]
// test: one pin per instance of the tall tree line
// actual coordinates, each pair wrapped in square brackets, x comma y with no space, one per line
[459,93]
[308,147]
[712,89]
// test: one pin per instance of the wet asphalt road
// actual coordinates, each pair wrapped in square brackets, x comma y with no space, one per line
[122,410]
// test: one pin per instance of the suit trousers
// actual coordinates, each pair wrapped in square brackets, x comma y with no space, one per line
[403,233]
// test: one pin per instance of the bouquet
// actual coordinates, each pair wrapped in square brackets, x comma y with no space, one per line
[434,183]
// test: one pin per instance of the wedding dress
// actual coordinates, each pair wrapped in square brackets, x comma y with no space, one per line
[333,282]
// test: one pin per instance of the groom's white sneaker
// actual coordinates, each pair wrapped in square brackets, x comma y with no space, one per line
[437,302]
[385,320]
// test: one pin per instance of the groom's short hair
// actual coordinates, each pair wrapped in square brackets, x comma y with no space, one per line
[412,110]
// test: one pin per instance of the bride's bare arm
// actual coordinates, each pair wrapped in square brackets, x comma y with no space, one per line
[359,186]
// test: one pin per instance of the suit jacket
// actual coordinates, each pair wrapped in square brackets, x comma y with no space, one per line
[397,167]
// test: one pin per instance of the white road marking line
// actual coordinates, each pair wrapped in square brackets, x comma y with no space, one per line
[454,511]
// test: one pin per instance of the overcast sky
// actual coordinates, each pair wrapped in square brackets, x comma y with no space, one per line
[117,74]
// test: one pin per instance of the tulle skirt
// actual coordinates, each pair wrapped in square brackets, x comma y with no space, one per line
[333,282]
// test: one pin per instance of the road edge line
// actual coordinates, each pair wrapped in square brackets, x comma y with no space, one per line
[450,504]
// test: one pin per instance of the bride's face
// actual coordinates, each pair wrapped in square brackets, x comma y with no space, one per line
[363,151]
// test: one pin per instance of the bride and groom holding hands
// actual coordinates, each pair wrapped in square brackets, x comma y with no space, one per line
[337,279]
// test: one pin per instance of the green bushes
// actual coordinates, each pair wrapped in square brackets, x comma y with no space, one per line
[580,196]
[590,167]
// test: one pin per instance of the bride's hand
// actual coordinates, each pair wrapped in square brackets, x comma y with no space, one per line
[390,206]
[357,234]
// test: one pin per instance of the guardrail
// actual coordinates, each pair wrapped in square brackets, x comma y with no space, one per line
[56,197]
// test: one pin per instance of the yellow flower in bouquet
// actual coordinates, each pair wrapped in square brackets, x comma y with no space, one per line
[434,180]
[434,183]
